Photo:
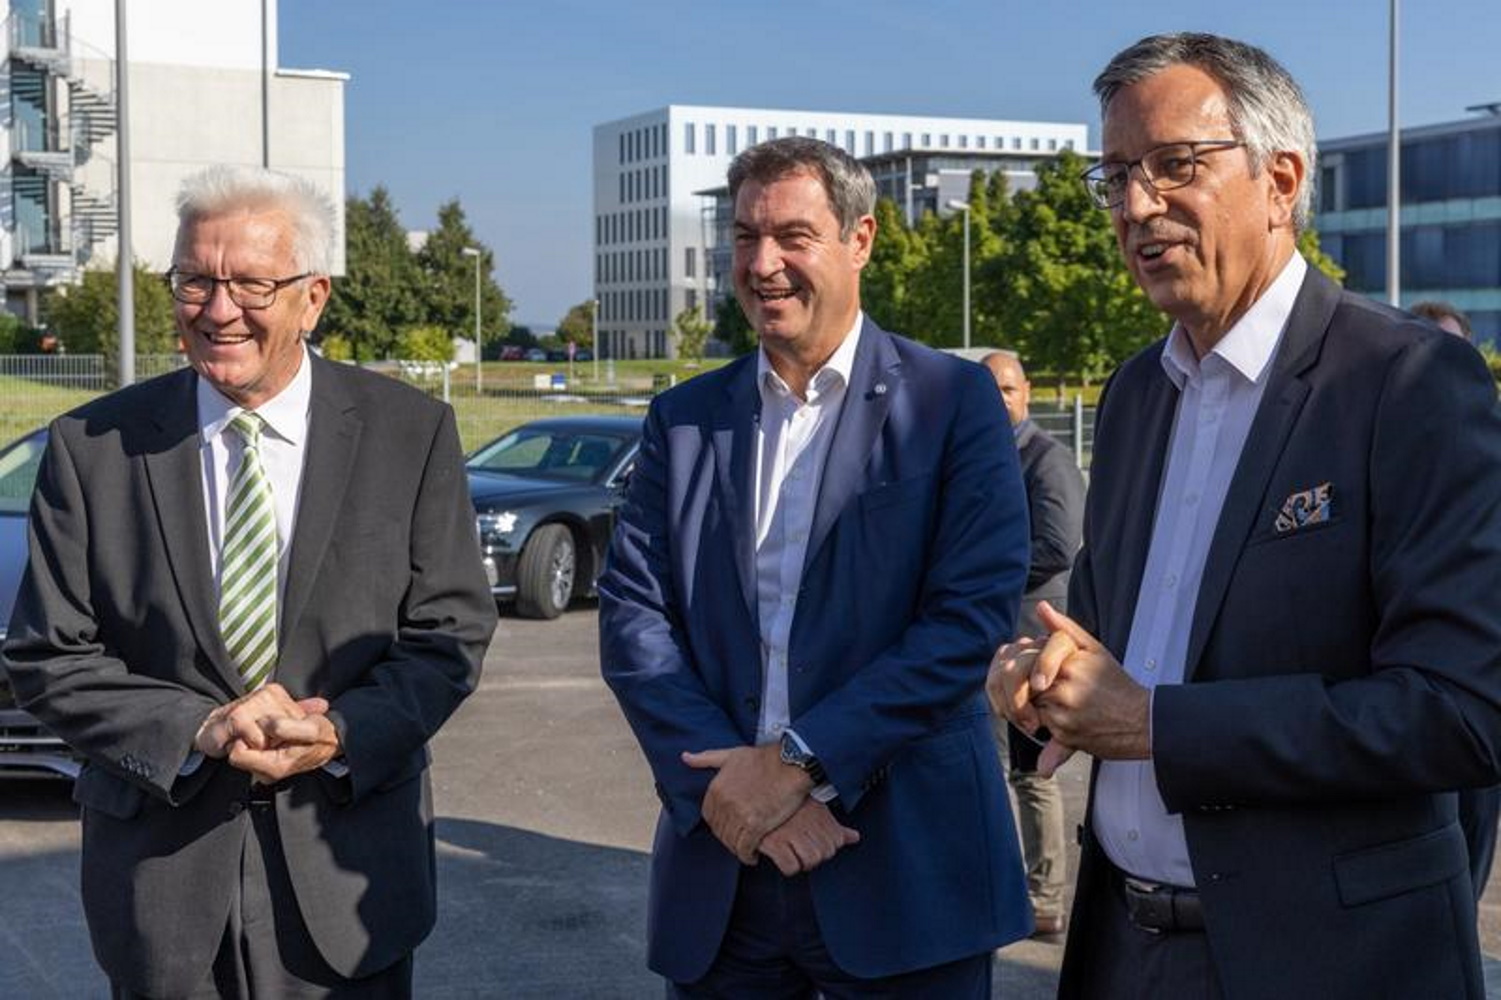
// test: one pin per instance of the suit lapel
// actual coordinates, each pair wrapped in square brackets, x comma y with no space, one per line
[174,472]
[333,441]
[1280,405]
[734,440]
[1152,419]
[875,378]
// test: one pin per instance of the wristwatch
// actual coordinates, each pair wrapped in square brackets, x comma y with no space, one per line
[793,753]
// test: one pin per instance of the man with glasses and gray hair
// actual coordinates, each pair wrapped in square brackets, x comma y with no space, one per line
[1283,645]
[254,594]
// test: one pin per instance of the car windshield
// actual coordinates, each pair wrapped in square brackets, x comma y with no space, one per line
[569,455]
[18,468]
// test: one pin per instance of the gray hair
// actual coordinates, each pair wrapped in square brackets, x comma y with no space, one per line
[226,188]
[851,190]
[1267,109]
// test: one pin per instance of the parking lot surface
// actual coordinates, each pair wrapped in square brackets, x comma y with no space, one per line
[545,814]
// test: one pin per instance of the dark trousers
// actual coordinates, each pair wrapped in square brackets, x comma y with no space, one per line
[1124,962]
[1479,812]
[267,953]
[774,950]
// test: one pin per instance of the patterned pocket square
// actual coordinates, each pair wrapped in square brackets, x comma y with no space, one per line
[1313,506]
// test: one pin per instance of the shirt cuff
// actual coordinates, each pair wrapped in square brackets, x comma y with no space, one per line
[191,765]
[337,768]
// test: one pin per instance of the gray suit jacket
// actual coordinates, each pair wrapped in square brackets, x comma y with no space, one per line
[114,644]
[1055,505]
[1343,671]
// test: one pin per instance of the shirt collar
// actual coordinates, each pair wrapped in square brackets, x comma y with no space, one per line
[839,366]
[1248,346]
[285,414]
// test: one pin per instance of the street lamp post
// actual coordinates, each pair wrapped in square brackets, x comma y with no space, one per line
[594,337]
[479,349]
[963,206]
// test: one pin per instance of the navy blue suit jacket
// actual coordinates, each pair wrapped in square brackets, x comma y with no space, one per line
[1341,677]
[914,569]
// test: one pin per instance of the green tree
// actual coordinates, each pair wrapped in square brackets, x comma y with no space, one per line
[1059,287]
[692,331]
[578,325]
[86,316]
[424,343]
[448,288]
[732,328]
[522,336]
[380,293]
[1308,246]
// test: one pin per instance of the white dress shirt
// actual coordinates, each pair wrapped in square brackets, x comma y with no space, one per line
[792,446]
[283,446]
[1218,398]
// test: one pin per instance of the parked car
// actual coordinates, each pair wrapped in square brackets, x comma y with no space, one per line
[545,496]
[26,749]
[536,354]
[512,352]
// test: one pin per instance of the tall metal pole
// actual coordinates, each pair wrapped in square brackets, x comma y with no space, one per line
[479,343]
[124,264]
[265,84]
[1393,174]
[966,277]
[594,336]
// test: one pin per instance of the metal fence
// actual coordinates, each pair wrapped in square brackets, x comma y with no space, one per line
[36,388]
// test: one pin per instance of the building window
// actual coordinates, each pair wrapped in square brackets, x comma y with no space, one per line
[1035,144]
[771,132]
[906,140]
[1068,144]
[889,142]
[688,138]
[979,142]
[964,142]
[810,133]
[731,140]
[943,141]
[690,262]
[750,135]
[1053,145]
[831,136]
[870,143]
[621,158]
[691,301]
[927,140]
[709,140]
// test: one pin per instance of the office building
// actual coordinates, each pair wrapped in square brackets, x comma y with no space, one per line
[204,88]
[654,227]
[1450,212]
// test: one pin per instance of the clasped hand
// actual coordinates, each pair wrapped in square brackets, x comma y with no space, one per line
[270,734]
[1071,684]
[757,805]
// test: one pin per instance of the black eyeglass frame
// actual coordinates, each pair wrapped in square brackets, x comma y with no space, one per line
[174,274]
[1094,178]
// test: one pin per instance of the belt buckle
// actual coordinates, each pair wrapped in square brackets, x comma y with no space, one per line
[1149,901]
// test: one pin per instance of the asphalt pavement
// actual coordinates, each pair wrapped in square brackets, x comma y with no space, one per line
[545,815]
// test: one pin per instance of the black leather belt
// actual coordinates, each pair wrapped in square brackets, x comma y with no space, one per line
[1159,908]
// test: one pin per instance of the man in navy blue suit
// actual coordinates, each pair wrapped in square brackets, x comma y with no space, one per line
[821,546]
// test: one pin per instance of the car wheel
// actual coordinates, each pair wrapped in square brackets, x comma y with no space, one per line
[545,573]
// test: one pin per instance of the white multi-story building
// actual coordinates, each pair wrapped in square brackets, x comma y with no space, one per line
[653,230]
[204,88]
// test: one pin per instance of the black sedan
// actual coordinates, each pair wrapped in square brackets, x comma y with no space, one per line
[26,749]
[545,497]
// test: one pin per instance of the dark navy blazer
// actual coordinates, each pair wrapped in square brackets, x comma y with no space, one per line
[1341,675]
[915,566]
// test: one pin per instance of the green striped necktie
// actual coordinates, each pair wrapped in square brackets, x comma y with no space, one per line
[247,581]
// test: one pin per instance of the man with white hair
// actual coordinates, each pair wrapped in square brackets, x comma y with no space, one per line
[254,594]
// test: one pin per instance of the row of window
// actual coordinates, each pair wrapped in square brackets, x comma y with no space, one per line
[636,305]
[631,226]
[833,137]
[631,265]
[622,344]
[1433,257]
[1435,169]
[646,143]
[643,184]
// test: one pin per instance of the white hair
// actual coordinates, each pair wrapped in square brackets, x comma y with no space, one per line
[225,188]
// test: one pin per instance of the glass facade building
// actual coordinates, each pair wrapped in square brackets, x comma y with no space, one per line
[1450,211]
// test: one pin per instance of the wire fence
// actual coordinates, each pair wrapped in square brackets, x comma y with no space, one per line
[36,388]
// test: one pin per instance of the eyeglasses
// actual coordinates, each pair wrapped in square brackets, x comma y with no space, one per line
[247,293]
[1164,168]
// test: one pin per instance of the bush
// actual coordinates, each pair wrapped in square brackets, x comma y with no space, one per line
[424,343]
[336,347]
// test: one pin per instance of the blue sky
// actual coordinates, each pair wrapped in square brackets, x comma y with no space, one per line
[493,101]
